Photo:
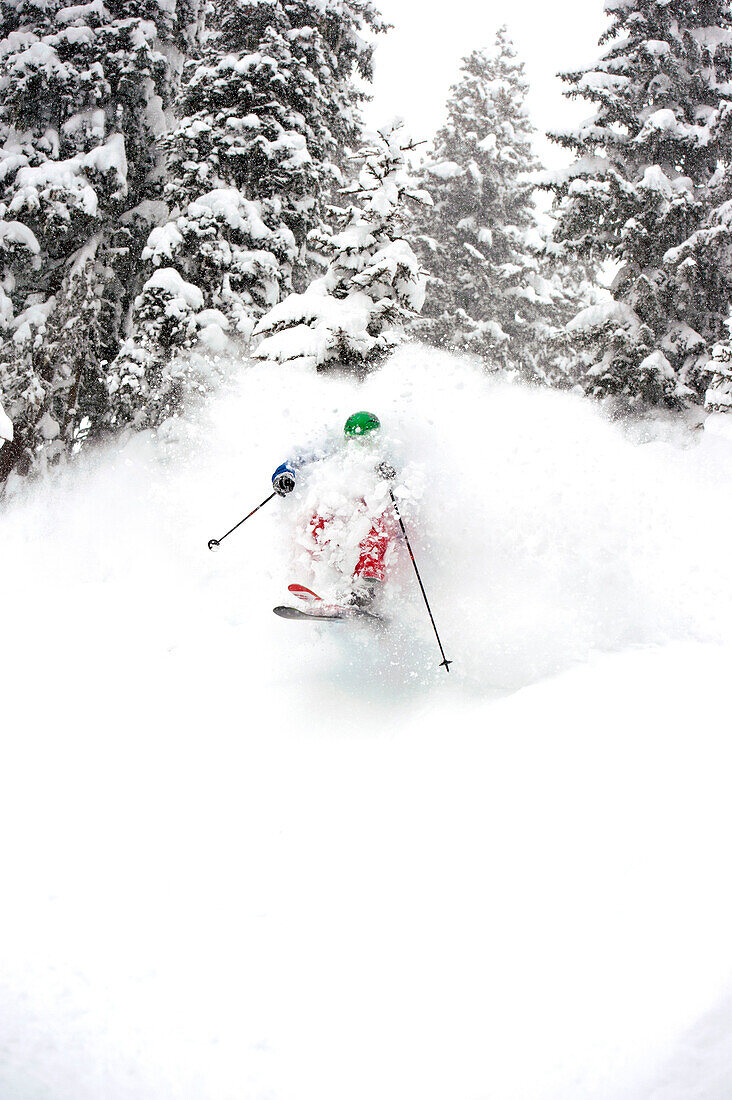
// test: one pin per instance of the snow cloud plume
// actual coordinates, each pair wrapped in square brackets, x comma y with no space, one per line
[249,854]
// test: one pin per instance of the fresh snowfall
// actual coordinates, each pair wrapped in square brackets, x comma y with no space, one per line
[246,858]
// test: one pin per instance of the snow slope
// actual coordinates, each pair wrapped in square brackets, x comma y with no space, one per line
[250,858]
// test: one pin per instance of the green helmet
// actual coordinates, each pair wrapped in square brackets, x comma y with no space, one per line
[361,423]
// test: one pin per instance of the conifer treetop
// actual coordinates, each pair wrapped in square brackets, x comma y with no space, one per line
[486,108]
[354,314]
[646,178]
[657,89]
[490,288]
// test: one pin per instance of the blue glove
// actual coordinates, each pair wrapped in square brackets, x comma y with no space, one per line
[283,479]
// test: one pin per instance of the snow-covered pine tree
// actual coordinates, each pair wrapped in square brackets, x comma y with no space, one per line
[269,110]
[487,289]
[83,88]
[355,313]
[571,288]
[148,379]
[642,184]
[718,397]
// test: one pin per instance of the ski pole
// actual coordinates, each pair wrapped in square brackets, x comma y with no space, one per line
[213,544]
[444,660]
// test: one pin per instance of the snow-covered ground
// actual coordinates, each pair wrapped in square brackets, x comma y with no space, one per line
[248,858]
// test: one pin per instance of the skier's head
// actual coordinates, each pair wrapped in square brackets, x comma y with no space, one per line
[360,425]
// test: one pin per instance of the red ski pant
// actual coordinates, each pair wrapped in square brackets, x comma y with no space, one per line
[372,559]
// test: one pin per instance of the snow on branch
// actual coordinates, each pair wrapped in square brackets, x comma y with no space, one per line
[354,314]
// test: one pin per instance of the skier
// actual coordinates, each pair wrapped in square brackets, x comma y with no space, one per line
[346,514]
[350,519]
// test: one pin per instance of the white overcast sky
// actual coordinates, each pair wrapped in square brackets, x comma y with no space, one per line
[419,59]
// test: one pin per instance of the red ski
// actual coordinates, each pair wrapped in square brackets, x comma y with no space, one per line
[304,593]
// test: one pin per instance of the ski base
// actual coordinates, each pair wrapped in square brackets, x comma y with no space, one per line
[332,615]
[326,614]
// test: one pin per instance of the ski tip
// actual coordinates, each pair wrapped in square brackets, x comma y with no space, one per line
[285,612]
[304,593]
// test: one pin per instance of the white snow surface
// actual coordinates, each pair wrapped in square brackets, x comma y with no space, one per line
[324,318]
[604,313]
[16,233]
[253,858]
[67,179]
[446,170]
[170,280]
[6,426]
[655,179]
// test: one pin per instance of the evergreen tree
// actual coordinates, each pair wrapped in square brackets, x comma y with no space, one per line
[557,359]
[83,89]
[155,372]
[718,397]
[355,313]
[269,110]
[644,182]
[488,288]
